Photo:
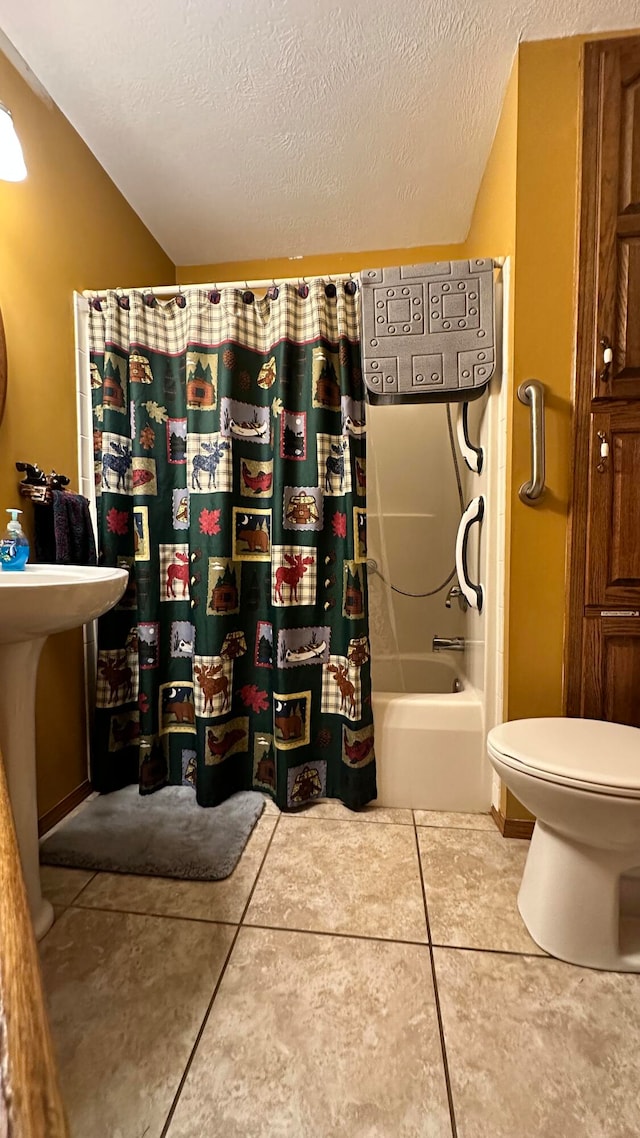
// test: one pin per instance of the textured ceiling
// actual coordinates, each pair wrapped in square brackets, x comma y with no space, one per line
[241,129]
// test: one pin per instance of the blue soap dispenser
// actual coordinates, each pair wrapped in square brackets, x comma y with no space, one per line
[14,547]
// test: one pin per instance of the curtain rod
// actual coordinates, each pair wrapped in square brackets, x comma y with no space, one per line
[176,289]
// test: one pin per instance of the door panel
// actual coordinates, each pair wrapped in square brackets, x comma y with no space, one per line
[613,543]
[612,688]
[618,235]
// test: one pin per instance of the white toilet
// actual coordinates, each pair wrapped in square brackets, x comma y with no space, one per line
[580,893]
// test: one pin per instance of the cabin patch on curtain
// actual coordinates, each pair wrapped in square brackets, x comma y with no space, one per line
[230,467]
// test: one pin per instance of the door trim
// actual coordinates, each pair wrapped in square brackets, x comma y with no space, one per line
[586,333]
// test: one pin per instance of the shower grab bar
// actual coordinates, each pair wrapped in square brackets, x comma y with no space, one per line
[531,393]
[472,455]
[474,512]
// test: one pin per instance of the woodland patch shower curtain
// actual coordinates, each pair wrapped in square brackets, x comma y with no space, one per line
[230,456]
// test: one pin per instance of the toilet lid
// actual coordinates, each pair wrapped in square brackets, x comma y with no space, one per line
[590,753]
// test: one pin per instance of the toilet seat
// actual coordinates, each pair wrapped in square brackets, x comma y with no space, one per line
[585,754]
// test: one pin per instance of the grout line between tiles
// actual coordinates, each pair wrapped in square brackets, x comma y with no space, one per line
[150,913]
[542,955]
[185,1073]
[333,932]
[449,826]
[81,891]
[310,817]
[61,909]
[445,1062]
[458,829]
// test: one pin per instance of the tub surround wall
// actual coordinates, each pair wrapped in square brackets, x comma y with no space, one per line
[413,512]
[66,227]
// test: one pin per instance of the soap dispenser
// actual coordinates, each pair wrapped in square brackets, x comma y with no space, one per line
[14,547]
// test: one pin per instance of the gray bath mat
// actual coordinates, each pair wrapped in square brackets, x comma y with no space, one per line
[165,834]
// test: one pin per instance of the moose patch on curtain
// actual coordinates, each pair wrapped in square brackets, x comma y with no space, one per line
[230,466]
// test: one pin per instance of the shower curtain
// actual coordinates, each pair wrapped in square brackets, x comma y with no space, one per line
[230,467]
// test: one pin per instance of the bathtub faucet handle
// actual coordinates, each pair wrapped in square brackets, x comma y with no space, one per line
[456,591]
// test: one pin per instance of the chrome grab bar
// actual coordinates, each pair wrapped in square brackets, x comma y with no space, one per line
[531,393]
[474,512]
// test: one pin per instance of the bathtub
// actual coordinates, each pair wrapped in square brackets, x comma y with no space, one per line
[430,748]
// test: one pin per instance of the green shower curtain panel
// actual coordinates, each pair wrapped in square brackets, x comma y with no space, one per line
[231,474]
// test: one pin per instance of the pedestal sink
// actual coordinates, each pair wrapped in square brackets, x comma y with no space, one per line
[33,604]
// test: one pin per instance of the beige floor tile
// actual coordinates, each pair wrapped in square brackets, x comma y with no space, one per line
[454,821]
[343,877]
[127,995]
[61,885]
[538,1047]
[332,808]
[318,1037]
[202,900]
[472,881]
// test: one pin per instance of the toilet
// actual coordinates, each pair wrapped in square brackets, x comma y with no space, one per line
[580,893]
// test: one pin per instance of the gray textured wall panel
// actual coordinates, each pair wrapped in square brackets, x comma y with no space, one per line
[428,331]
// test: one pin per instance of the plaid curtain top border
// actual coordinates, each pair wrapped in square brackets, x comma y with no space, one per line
[260,325]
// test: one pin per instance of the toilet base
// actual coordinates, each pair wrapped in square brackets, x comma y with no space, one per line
[570,900]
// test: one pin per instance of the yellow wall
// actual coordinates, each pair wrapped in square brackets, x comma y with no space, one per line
[314,266]
[546,229]
[492,231]
[66,227]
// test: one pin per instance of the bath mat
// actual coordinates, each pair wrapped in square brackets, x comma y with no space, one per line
[165,834]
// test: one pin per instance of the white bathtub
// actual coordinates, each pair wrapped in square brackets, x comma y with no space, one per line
[430,749]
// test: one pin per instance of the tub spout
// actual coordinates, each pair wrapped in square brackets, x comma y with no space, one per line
[448,644]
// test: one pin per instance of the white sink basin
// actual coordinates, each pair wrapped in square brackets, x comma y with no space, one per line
[33,604]
[51,598]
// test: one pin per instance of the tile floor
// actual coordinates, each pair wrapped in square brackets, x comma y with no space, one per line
[365,976]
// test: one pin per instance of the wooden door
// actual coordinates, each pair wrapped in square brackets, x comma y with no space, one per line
[602,643]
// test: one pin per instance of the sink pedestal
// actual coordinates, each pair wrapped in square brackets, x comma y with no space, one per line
[18,670]
[34,604]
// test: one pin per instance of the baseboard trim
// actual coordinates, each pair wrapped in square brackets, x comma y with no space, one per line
[512,827]
[61,809]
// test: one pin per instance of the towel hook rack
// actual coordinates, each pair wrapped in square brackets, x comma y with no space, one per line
[37,485]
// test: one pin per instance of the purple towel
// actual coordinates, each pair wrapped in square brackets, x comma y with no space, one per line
[63,531]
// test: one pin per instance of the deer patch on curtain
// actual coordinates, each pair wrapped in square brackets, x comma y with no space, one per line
[230,466]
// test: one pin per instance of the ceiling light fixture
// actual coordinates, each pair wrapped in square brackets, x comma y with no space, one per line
[12,167]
